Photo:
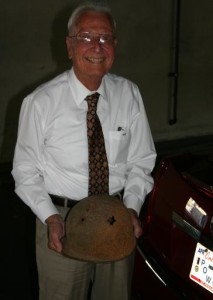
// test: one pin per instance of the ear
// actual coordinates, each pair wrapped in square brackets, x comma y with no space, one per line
[115,42]
[69,46]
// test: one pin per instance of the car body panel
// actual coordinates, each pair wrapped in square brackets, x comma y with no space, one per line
[177,215]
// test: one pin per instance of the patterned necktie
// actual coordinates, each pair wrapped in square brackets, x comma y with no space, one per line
[98,164]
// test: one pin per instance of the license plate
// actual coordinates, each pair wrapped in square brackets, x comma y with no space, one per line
[202,267]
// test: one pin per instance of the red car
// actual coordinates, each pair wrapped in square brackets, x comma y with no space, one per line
[174,258]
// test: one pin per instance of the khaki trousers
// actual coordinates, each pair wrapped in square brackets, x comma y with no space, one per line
[62,278]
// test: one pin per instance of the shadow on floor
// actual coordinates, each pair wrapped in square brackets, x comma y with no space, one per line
[18,267]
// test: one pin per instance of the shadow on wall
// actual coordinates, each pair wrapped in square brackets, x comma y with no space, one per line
[17,225]
[60,59]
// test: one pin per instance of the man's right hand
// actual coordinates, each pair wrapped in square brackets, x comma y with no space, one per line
[56,231]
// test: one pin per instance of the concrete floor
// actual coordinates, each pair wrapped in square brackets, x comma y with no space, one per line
[18,267]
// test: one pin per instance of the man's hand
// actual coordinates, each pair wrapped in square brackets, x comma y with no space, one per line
[56,232]
[136,223]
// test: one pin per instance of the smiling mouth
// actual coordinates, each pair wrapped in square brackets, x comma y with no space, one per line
[95,60]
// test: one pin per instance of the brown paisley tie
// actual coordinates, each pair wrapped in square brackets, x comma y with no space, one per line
[98,164]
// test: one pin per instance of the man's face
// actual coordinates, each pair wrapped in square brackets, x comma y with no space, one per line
[91,60]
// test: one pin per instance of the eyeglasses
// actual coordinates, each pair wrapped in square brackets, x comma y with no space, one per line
[89,38]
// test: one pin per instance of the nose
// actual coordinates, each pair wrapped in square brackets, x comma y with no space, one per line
[96,43]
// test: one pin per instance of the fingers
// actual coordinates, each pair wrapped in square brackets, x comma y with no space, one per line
[55,234]
[138,230]
[136,223]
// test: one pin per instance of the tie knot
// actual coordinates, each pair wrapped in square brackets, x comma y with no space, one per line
[93,98]
[92,101]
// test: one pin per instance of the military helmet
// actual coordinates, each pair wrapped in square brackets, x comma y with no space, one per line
[99,229]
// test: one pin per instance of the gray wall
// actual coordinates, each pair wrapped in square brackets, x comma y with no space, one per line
[32,50]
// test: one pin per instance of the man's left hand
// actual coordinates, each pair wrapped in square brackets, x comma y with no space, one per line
[136,223]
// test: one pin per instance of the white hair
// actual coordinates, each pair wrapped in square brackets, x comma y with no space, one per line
[90,6]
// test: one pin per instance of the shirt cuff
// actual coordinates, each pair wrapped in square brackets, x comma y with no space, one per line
[134,203]
[44,210]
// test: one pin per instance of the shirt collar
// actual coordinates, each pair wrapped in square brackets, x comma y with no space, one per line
[80,92]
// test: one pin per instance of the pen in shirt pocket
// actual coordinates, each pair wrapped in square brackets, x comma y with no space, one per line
[121,129]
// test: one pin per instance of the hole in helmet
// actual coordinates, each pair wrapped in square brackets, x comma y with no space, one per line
[111,220]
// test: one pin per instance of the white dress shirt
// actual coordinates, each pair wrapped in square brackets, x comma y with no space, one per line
[51,154]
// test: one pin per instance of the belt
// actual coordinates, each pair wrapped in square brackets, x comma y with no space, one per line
[63,201]
[67,202]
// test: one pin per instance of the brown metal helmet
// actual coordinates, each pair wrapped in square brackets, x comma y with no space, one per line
[99,229]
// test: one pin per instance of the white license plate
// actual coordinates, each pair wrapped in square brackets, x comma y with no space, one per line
[202,267]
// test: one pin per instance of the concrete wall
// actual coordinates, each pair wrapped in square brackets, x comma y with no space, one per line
[32,50]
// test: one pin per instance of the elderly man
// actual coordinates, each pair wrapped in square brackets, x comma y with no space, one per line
[51,164]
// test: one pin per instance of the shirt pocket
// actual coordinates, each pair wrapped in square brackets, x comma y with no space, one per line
[119,146]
